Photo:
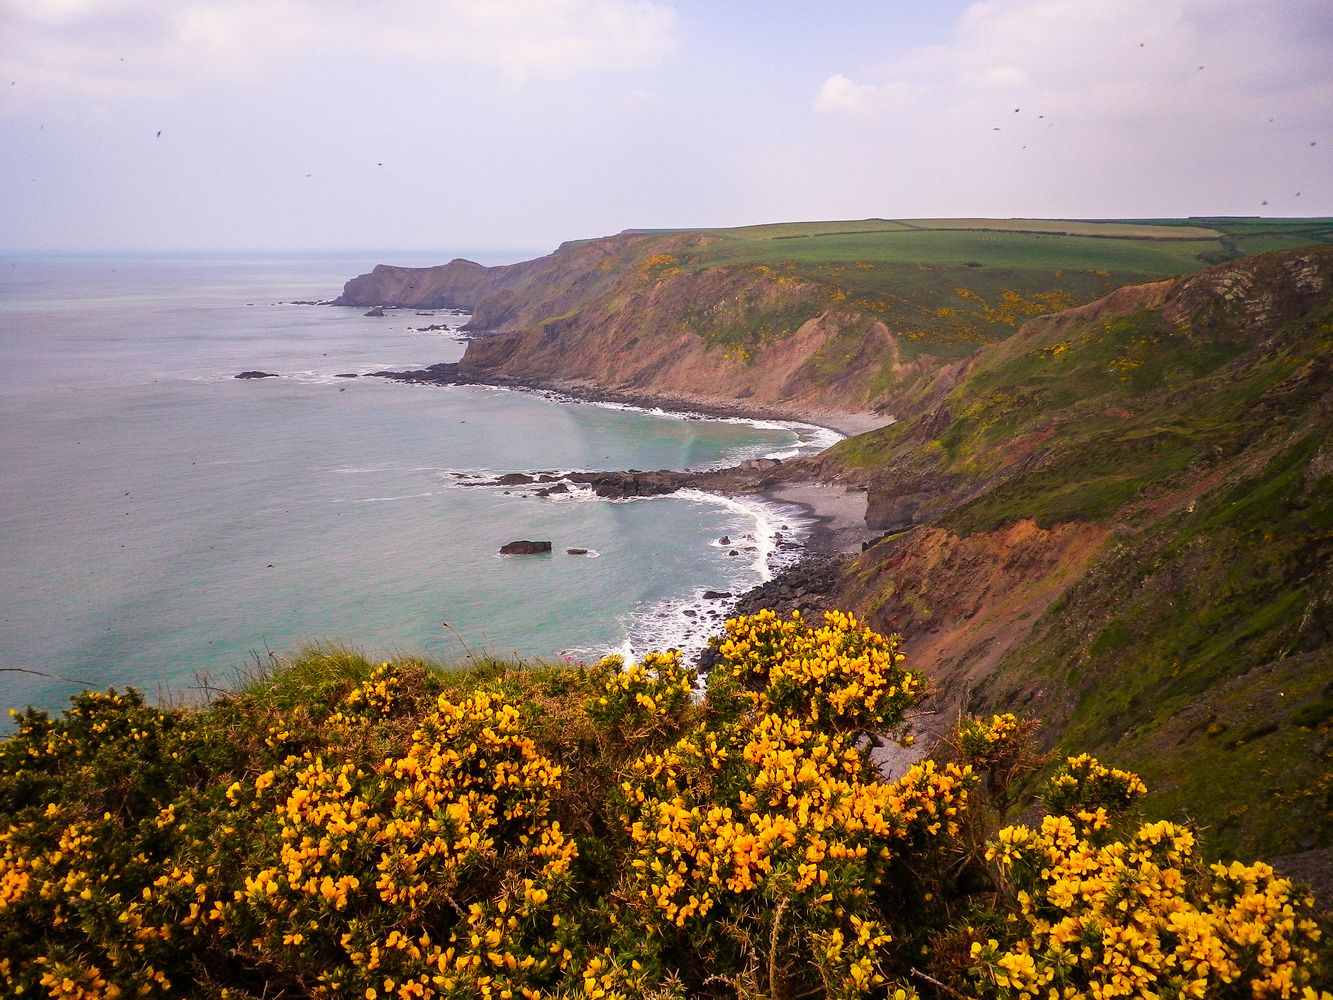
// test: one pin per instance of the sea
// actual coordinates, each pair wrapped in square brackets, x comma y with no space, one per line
[167,526]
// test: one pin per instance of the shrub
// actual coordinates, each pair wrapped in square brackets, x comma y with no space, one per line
[384,831]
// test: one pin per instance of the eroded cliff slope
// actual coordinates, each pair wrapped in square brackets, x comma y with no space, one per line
[800,320]
[1106,504]
[1121,520]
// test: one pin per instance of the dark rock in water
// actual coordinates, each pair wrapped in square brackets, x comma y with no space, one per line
[347,375]
[255,375]
[514,479]
[576,552]
[624,485]
[716,595]
[553,490]
[523,547]
[689,613]
[377,311]
[724,540]
[733,552]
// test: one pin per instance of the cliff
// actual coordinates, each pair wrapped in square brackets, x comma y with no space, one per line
[456,285]
[1121,521]
[802,320]
[1116,515]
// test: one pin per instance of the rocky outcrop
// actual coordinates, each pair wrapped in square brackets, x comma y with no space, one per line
[613,315]
[523,547]
[456,285]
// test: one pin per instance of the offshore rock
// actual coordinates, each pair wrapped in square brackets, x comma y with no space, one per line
[523,547]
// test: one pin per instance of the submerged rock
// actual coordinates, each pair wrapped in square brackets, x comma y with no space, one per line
[255,375]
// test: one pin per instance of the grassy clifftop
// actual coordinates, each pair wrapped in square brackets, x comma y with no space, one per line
[779,315]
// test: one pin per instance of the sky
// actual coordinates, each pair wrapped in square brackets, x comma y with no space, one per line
[512,125]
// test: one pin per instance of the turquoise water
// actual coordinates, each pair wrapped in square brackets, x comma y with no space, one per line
[161,521]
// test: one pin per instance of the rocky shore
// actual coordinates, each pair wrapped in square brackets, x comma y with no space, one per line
[455,373]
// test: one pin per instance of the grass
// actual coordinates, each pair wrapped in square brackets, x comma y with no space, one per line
[1213,614]
[999,249]
[947,287]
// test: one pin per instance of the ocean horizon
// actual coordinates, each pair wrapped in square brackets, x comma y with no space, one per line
[164,524]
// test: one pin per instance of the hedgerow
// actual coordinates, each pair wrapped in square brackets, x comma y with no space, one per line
[347,830]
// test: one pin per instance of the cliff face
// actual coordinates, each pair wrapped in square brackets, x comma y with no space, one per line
[703,318]
[1118,516]
[644,338]
[456,285]
[1121,521]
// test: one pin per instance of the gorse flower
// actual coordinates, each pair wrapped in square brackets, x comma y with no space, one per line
[1139,917]
[379,830]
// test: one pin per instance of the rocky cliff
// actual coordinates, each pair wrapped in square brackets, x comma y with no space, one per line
[1117,516]
[779,322]
[1121,521]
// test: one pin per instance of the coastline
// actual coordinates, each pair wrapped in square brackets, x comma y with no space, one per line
[838,514]
[847,424]
[833,515]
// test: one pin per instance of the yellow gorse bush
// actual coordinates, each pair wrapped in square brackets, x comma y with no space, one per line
[840,675]
[1141,917]
[355,830]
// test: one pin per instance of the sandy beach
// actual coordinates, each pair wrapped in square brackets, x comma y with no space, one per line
[839,513]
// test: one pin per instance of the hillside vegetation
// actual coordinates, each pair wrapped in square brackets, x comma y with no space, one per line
[340,829]
[797,318]
[1122,519]
[1114,515]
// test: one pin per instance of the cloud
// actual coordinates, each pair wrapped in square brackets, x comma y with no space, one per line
[637,100]
[839,95]
[1119,59]
[110,49]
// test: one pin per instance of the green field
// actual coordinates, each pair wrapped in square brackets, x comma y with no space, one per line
[946,286]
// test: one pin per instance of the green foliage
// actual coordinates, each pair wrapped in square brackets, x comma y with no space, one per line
[579,831]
